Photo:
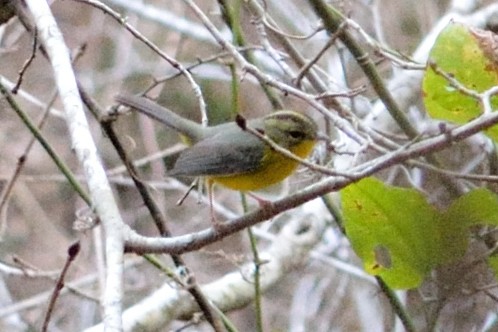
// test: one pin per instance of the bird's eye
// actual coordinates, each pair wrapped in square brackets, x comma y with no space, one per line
[296,134]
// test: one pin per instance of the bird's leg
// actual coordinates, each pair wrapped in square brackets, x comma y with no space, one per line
[216,224]
[261,201]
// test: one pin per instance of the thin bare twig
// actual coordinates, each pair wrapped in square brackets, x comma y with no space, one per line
[27,63]
[195,87]
[72,252]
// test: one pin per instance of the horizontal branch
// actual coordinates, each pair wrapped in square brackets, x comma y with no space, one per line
[193,241]
[234,290]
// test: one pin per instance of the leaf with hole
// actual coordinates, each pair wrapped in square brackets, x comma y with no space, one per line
[401,237]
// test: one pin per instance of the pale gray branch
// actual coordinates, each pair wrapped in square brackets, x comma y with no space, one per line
[236,289]
[84,146]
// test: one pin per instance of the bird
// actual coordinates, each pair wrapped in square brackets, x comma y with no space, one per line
[230,156]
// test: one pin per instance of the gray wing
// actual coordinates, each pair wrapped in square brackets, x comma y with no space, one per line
[215,156]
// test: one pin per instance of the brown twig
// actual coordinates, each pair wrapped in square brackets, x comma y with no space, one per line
[27,63]
[72,252]
[156,214]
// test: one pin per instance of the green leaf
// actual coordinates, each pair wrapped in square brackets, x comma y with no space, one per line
[397,220]
[493,264]
[401,237]
[477,207]
[467,55]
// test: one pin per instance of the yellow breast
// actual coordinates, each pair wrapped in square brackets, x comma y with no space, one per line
[274,168]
